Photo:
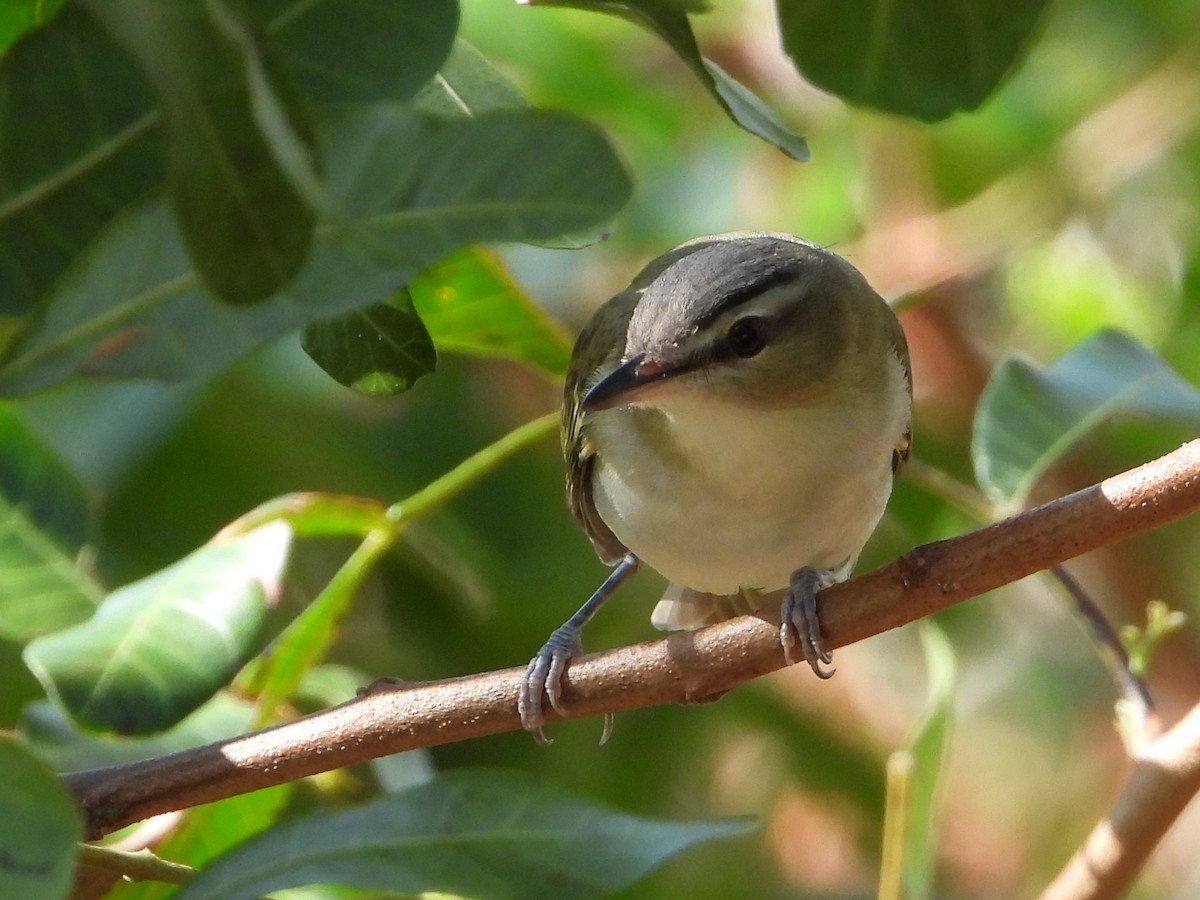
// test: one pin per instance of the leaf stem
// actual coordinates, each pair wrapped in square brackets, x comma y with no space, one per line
[470,470]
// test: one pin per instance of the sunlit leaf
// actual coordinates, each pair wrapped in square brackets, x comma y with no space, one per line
[39,828]
[160,647]
[923,58]
[316,514]
[668,19]
[20,16]
[483,834]
[1029,417]
[378,351]
[43,524]
[134,308]
[471,305]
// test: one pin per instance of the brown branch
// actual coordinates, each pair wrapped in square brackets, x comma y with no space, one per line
[1165,777]
[681,667]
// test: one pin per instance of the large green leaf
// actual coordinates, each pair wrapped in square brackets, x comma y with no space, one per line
[238,152]
[358,51]
[39,828]
[43,524]
[480,834]
[80,142]
[133,308]
[921,58]
[472,304]
[160,647]
[669,20]
[1029,417]
[467,85]
[60,182]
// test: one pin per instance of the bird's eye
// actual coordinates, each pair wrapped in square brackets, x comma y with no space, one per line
[747,336]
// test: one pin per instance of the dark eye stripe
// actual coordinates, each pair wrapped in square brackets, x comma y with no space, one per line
[756,287]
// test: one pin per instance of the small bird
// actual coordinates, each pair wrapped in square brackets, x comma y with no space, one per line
[734,419]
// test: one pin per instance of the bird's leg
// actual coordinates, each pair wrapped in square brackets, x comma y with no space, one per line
[798,613]
[546,669]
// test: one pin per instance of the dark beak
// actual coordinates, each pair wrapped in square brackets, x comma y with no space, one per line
[624,383]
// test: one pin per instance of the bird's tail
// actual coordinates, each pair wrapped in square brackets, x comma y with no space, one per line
[683,609]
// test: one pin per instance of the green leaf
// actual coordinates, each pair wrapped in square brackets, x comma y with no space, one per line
[237,151]
[39,828]
[160,647]
[81,142]
[379,351]
[359,51]
[922,58]
[471,305]
[60,182]
[20,16]
[467,85]
[927,750]
[133,308]
[485,834]
[1028,418]
[43,525]
[60,743]
[668,19]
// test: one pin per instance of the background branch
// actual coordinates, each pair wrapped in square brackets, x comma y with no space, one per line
[680,667]
[1165,777]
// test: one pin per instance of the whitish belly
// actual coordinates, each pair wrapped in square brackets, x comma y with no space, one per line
[807,490]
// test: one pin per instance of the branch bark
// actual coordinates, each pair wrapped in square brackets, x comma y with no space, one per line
[681,667]
[1165,777]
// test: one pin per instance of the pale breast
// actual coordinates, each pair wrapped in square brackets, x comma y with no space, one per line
[740,497]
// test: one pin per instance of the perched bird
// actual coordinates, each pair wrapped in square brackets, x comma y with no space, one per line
[733,419]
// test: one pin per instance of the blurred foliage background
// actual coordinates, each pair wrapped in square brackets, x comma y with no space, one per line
[1067,203]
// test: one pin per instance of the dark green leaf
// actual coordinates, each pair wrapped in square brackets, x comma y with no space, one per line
[159,648]
[39,828]
[378,351]
[238,155]
[133,309]
[482,834]
[470,305]
[60,182]
[923,58]
[20,16]
[358,51]
[43,524]
[80,142]
[668,19]
[1029,417]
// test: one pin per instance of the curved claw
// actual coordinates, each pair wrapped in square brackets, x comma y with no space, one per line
[544,678]
[800,624]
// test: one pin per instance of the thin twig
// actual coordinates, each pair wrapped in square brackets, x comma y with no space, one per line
[1137,695]
[678,668]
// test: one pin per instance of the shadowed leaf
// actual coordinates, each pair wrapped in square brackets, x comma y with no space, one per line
[485,834]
